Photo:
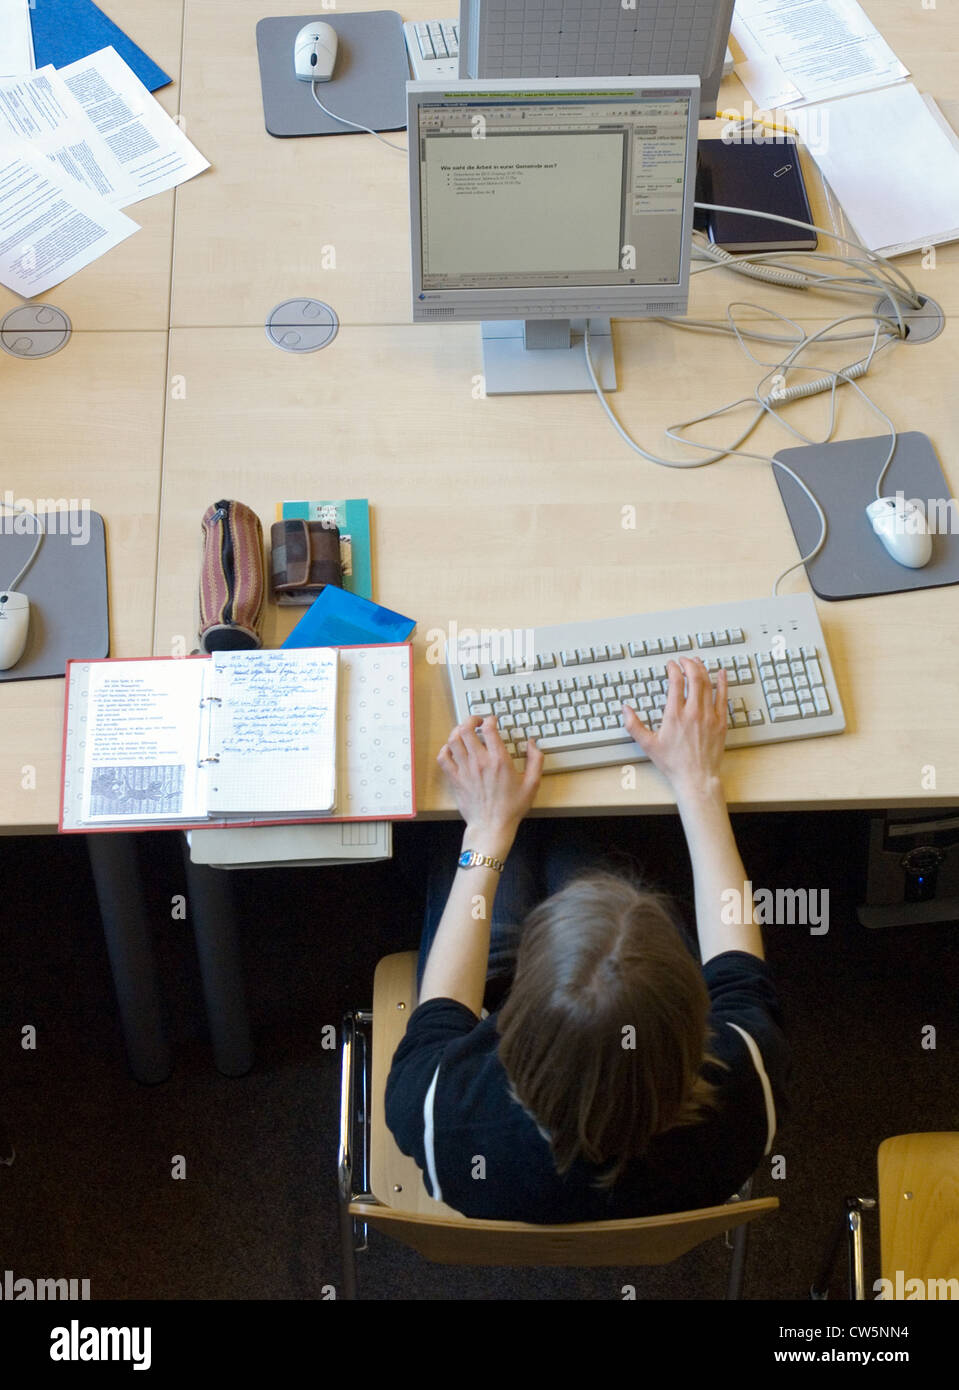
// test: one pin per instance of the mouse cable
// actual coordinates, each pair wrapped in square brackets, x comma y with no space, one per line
[834,379]
[837,378]
[710,326]
[882,267]
[768,266]
[25,511]
[762,406]
[400,149]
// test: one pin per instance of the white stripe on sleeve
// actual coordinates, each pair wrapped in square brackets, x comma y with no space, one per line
[428,1138]
[756,1055]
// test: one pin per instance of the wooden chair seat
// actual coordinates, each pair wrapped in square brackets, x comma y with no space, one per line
[403,1209]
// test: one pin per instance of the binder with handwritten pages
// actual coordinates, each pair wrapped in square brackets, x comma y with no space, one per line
[238,738]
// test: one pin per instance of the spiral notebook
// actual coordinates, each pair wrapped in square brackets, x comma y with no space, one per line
[238,738]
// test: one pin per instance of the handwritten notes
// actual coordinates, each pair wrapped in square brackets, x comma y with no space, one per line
[273,732]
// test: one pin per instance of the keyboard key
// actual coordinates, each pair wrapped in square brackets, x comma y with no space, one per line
[780,714]
[470,672]
[821,701]
[569,658]
[755,716]
[684,643]
[736,634]
[637,648]
[597,738]
[704,639]
[480,708]
[616,652]
[721,638]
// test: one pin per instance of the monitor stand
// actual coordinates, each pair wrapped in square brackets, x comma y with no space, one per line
[530,356]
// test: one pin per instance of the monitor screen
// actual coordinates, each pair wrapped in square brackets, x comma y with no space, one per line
[551,199]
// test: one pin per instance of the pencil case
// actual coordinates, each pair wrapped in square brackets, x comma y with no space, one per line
[304,558]
[232,578]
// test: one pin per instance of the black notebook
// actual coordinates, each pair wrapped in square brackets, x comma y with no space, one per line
[766,177]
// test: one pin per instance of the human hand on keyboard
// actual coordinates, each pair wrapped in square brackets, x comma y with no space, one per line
[688,749]
[491,795]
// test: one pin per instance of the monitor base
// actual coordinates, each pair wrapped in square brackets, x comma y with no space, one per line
[535,356]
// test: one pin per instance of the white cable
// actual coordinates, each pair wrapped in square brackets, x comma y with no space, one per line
[25,511]
[400,149]
[873,257]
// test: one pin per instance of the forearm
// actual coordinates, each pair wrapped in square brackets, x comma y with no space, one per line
[717,869]
[459,956]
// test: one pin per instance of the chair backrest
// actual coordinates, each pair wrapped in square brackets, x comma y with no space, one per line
[408,1213]
[919,1213]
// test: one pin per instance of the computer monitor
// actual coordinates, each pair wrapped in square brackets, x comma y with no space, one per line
[597,38]
[536,206]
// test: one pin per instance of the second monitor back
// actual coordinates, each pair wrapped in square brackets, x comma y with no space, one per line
[597,38]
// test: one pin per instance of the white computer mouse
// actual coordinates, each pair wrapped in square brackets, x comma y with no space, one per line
[902,528]
[314,52]
[14,626]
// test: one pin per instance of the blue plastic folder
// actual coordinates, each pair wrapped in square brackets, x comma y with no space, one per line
[342,619]
[65,30]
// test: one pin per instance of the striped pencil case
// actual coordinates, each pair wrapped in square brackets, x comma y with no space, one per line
[232,580]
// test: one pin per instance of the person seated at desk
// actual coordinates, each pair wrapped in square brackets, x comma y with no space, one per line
[618,1079]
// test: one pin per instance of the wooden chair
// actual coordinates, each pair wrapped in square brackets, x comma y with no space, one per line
[381,1187]
[918,1222]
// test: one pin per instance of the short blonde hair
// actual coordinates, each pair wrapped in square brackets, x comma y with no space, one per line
[604,1032]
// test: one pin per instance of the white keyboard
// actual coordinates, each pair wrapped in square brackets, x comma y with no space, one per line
[566,684]
[434,48]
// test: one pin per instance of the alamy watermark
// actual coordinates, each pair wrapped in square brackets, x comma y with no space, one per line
[502,647]
[59,516]
[805,907]
[21,1290]
[939,516]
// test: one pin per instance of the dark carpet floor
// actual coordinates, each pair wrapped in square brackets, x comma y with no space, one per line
[91,1195]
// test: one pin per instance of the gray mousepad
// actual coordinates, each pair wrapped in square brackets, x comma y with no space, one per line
[67,589]
[368,83]
[854,563]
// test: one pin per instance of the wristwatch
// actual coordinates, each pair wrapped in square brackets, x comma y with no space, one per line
[472,859]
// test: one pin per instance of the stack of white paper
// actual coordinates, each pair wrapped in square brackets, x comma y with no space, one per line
[75,147]
[893,163]
[809,50]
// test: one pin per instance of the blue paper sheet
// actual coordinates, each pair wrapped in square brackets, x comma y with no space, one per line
[341,619]
[65,30]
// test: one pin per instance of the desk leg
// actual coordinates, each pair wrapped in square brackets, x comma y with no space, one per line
[113,859]
[214,929]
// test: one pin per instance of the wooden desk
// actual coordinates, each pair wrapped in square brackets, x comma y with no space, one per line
[88,424]
[507,513]
[491,513]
